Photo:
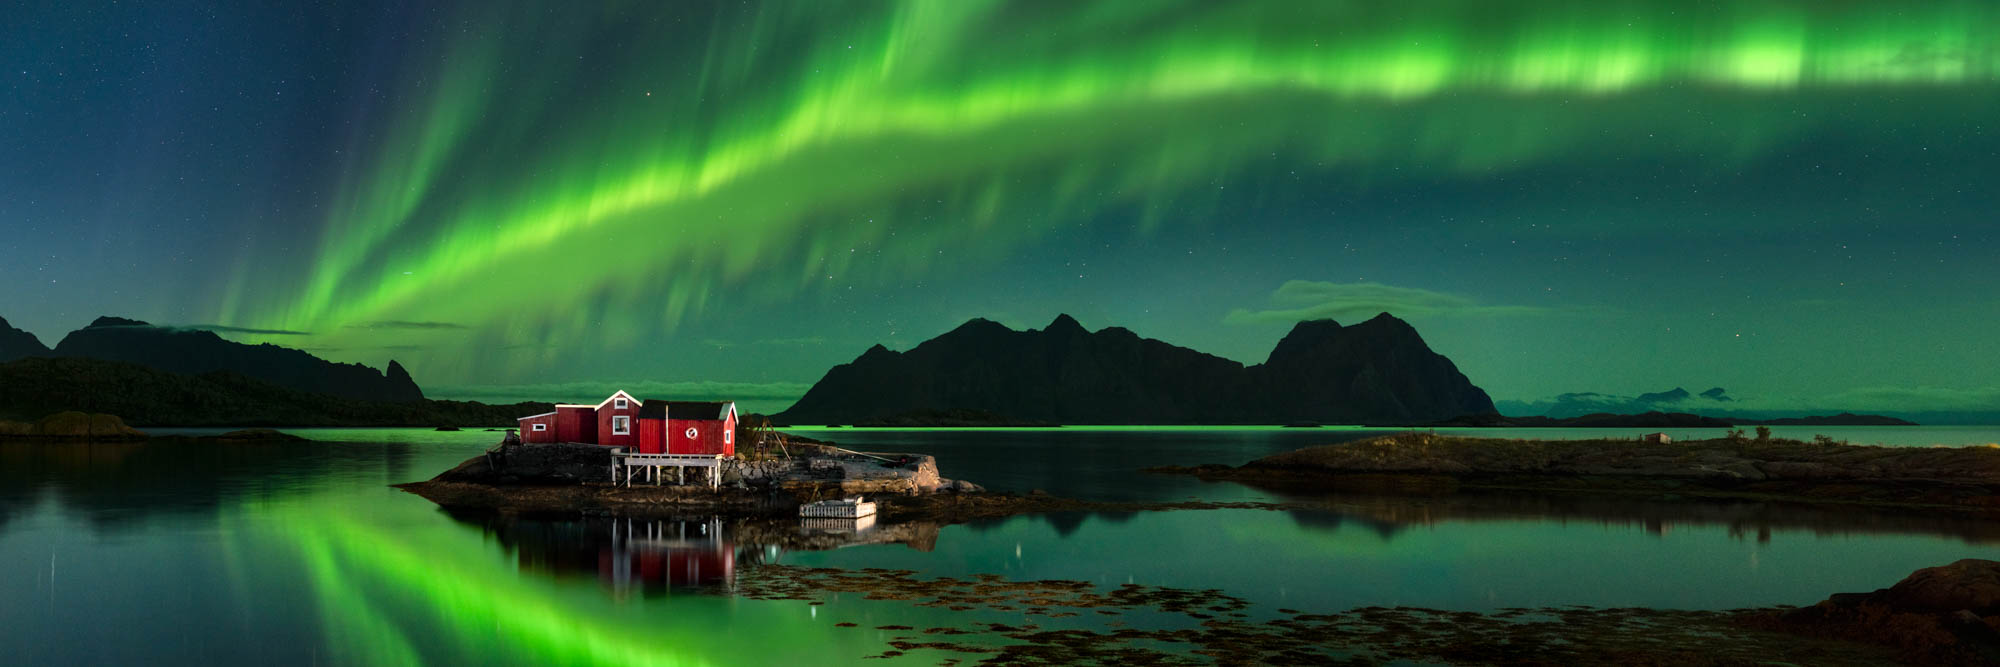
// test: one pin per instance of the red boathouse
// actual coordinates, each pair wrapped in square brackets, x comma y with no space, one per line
[644,427]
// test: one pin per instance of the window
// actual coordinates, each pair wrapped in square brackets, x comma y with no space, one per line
[541,427]
[621,404]
[692,434]
[729,437]
[621,425]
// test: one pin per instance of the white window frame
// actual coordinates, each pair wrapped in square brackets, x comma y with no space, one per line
[728,437]
[621,404]
[541,427]
[621,425]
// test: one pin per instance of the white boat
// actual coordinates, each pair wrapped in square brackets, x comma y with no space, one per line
[851,507]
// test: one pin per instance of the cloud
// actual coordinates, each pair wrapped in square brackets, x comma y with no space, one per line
[1299,300]
[592,392]
[402,324]
[218,328]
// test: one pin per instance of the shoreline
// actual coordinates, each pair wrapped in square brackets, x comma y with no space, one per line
[673,502]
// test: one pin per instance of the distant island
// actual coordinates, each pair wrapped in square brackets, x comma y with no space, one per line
[164,376]
[1656,420]
[1954,479]
[1379,370]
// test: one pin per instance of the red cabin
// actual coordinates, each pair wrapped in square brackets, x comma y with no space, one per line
[647,427]
[688,427]
[618,421]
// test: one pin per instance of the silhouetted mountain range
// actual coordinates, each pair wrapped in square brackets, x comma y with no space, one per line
[194,352]
[15,343]
[36,386]
[1658,419]
[1579,404]
[1594,409]
[166,376]
[1378,370]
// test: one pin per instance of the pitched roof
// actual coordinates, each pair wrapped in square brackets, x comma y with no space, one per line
[685,409]
[615,395]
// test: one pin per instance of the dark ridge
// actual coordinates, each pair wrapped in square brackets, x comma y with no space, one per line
[109,321]
[195,352]
[1379,370]
[15,343]
[144,396]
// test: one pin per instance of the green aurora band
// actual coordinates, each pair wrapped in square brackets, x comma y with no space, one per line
[604,199]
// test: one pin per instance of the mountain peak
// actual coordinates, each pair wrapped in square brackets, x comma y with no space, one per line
[1669,396]
[109,321]
[980,324]
[15,343]
[400,379]
[1386,320]
[1064,324]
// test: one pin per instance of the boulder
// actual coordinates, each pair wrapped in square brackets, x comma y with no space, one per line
[1938,615]
[1971,584]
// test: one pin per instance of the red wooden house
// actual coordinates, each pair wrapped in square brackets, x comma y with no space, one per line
[644,427]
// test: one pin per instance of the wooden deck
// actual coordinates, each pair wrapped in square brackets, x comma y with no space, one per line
[648,468]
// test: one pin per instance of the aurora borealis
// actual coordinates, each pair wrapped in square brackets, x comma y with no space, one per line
[1787,198]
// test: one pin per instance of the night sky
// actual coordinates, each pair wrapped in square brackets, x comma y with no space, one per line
[1792,199]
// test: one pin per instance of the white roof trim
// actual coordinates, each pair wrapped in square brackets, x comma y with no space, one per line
[545,414]
[607,401]
[574,405]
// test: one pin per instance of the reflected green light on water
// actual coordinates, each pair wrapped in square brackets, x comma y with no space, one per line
[366,578]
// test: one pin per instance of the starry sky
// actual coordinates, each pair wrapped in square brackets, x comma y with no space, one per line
[1791,199]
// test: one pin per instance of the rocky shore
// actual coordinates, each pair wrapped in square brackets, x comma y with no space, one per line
[1959,479]
[574,479]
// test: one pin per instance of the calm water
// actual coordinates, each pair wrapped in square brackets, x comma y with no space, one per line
[300,554]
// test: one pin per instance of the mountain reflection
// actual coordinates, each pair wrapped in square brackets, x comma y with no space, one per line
[114,486]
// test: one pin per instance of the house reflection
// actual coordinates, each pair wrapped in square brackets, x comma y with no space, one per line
[659,556]
[628,556]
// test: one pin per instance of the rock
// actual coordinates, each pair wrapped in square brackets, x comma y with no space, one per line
[961,486]
[1937,615]
[1971,584]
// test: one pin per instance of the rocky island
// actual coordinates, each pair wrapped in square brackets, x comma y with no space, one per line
[1958,479]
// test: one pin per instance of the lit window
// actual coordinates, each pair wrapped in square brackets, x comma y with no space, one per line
[621,425]
[621,404]
[541,427]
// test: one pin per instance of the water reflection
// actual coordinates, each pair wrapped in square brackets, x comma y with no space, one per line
[1390,516]
[651,557]
[115,486]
